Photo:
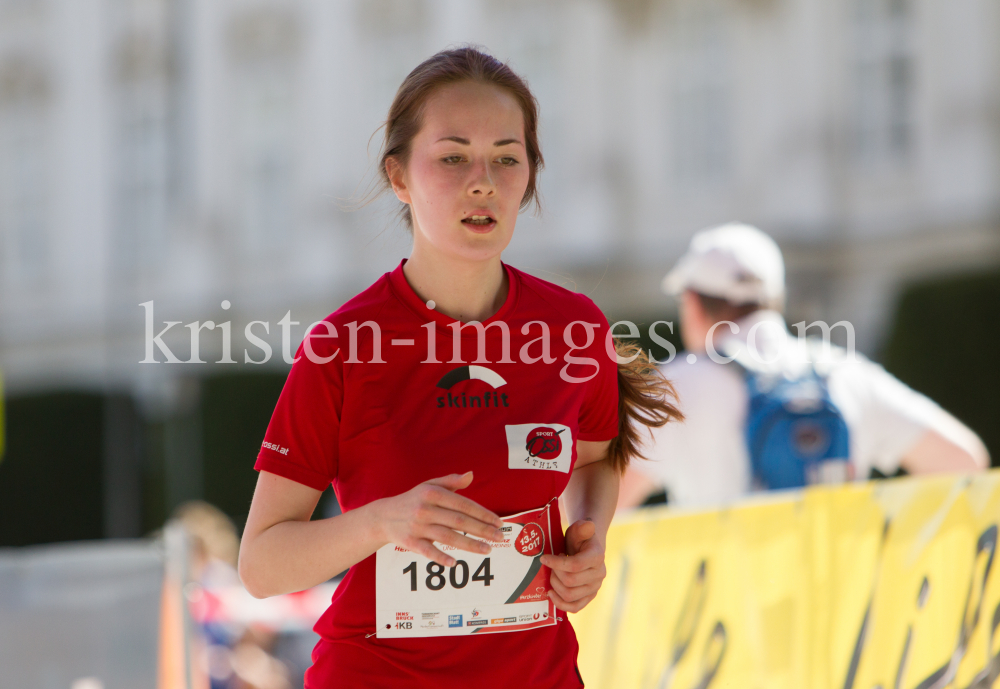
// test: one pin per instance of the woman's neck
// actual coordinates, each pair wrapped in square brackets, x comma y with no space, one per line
[461,289]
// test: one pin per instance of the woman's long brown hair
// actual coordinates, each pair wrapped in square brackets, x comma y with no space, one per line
[646,399]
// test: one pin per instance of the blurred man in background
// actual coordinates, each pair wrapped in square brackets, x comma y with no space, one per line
[768,410]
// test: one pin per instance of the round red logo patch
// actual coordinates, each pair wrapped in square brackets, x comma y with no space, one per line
[530,541]
[543,442]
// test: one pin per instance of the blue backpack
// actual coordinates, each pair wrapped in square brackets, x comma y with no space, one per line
[796,435]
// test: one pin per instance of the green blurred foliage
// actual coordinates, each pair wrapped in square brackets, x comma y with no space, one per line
[645,340]
[235,409]
[155,509]
[51,478]
[3,417]
[942,343]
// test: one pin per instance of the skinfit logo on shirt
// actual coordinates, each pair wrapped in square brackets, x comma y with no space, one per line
[547,446]
[488,400]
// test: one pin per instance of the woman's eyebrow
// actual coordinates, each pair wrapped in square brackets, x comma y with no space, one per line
[466,142]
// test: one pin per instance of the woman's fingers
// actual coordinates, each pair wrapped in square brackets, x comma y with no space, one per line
[570,592]
[452,481]
[422,546]
[443,497]
[446,536]
[576,579]
[463,523]
[570,606]
[432,511]
[586,559]
[432,535]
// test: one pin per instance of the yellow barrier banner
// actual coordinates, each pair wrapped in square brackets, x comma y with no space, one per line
[890,584]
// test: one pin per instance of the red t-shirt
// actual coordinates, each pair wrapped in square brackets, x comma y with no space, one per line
[376,430]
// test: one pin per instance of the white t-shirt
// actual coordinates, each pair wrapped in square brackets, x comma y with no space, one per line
[704,460]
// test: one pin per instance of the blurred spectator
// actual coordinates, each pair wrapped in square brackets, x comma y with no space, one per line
[765,409]
[237,655]
[214,543]
[253,665]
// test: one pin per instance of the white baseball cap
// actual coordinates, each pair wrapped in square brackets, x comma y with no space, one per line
[735,262]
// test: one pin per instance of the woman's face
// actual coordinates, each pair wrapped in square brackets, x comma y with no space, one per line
[467,172]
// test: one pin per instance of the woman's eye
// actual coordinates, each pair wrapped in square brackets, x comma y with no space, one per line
[508,161]
[452,160]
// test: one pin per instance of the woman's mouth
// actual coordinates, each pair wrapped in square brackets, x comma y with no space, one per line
[478,220]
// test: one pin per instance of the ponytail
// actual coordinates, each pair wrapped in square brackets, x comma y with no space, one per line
[645,398]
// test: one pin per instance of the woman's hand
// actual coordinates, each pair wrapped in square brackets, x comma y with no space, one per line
[577,576]
[432,511]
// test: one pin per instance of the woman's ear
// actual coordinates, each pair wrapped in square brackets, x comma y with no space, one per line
[395,173]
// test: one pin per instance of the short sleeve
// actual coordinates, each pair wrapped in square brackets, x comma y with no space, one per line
[301,443]
[891,417]
[599,412]
[701,461]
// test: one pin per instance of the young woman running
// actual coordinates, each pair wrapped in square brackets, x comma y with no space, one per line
[449,444]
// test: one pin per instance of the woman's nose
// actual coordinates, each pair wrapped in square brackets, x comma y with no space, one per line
[482,183]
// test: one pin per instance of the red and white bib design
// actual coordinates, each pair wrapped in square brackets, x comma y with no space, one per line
[546,446]
[505,591]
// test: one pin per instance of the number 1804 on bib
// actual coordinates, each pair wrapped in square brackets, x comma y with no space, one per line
[504,591]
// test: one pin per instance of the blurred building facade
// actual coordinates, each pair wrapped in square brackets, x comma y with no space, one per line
[194,152]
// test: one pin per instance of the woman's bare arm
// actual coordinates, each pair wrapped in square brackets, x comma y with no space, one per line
[589,500]
[592,492]
[283,551]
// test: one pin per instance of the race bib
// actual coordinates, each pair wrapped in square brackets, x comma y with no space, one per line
[504,591]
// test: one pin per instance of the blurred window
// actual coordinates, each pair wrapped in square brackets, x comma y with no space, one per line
[141,151]
[24,169]
[20,7]
[397,28]
[264,44]
[700,95]
[883,80]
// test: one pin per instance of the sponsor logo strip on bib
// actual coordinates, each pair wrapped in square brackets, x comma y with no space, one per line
[504,591]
